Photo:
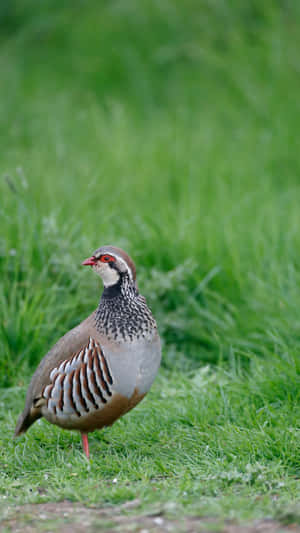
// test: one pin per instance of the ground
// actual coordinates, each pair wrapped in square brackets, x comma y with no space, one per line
[68,517]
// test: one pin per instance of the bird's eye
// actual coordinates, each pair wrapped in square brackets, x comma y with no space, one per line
[107,258]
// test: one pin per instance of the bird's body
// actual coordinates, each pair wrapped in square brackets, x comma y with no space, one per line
[103,367]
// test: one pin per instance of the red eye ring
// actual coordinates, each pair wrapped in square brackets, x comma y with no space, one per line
[107,258]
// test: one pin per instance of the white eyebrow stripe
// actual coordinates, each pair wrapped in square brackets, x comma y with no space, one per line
[124,263]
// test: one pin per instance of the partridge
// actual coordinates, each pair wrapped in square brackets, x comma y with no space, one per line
[103,367]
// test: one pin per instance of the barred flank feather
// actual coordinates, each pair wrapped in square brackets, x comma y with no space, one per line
[80,384]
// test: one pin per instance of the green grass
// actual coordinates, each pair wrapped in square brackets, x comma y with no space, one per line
[218,444]
[170,129]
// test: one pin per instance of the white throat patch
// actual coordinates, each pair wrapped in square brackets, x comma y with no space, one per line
[109,276]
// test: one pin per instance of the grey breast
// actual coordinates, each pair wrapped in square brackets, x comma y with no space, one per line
[135,365]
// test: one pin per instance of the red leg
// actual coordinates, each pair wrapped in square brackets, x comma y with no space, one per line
[85,444]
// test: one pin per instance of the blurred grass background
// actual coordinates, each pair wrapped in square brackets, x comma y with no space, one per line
[170,129]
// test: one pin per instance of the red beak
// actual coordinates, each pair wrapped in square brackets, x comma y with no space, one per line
[89,261]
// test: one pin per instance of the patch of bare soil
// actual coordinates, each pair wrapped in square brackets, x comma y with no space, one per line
[68,517]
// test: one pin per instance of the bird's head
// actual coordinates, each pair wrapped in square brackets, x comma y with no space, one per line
[112,265]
